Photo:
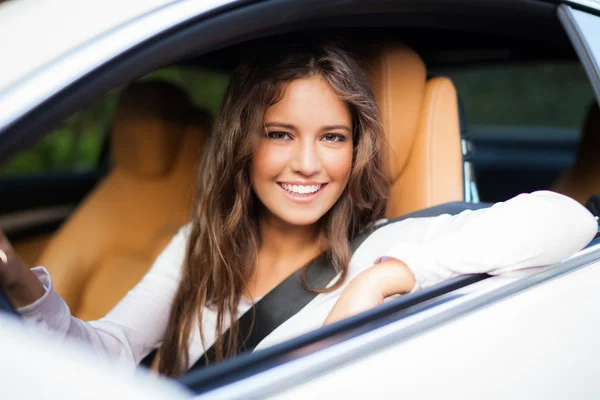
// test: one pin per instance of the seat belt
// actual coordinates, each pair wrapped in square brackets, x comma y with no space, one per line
[276,307]
[289,297]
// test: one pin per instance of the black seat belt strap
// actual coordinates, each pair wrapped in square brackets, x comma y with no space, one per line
[276,307]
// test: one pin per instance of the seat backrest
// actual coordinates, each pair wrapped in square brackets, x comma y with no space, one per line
[582,179]
[421,120]
[112,238]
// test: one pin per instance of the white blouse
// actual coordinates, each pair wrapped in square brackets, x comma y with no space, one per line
[530,230]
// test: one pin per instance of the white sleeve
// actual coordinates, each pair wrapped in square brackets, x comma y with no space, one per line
[135,326]
[529,230]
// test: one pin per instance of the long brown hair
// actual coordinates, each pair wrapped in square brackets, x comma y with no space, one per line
[224,238]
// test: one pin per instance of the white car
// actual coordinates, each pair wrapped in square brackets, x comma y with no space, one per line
[524,70]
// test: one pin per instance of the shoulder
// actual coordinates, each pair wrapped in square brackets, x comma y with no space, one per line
[185,230]
[173,251]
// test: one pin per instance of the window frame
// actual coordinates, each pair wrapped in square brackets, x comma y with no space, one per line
[586,46]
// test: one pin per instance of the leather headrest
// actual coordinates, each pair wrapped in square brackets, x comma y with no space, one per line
[148,127]
[398,78]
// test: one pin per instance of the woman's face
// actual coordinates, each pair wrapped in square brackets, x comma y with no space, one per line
[304,157]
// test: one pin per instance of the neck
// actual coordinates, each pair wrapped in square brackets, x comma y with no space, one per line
[280,239]
[284,249]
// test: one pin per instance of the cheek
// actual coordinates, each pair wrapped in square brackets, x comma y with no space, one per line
[267,162]
[339,165]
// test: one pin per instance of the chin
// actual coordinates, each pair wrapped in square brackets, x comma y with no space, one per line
[300,220]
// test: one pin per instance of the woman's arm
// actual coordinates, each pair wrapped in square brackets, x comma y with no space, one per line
[134,327]
[371,287]
[20,284]
[530,230]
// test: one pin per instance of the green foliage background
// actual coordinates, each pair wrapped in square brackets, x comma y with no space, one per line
[545,94]
[75,145]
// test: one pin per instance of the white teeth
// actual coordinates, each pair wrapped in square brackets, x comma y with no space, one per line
[301,189]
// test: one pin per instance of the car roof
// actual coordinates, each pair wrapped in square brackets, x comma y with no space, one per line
[52,28]
[61,26]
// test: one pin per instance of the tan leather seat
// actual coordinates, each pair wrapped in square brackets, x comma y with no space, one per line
[421,120]
[582,180]
[111,240]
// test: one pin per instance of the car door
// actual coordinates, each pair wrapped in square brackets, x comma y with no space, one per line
[108,77]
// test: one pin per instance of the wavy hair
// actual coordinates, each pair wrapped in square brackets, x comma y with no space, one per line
[224,237]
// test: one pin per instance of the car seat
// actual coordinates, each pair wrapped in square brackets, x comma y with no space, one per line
[114,235]
[421,120]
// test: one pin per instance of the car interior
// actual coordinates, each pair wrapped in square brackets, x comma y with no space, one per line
[111,238]
[98,231]
[425,165]
[108,243]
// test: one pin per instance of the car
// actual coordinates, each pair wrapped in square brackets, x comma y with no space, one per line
[515,79]
[87,374]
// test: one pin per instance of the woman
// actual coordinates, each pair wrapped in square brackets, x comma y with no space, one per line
[293,170]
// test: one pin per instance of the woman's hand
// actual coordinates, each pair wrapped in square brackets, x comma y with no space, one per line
[20,284]
[370,288]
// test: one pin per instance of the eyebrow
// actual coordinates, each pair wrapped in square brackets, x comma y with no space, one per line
[281,125]
[334,127]
[292,127]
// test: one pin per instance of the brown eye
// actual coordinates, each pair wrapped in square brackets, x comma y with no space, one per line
[333,138]
[277,135]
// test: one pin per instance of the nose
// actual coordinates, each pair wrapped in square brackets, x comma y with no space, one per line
[306,159]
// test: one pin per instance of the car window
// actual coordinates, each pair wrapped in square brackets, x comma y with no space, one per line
[73,146]
[204,86]
[77,145]
[537,100]
[521,117]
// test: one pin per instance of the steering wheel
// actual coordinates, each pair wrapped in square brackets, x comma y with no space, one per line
[5,305]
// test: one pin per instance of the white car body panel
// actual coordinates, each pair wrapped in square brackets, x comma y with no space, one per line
[59,27]
[48,76]
[42,367]
[552,329]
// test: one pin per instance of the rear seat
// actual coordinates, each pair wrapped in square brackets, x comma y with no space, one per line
[113,237]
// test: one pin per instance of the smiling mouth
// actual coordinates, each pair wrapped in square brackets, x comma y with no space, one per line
[302,191]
